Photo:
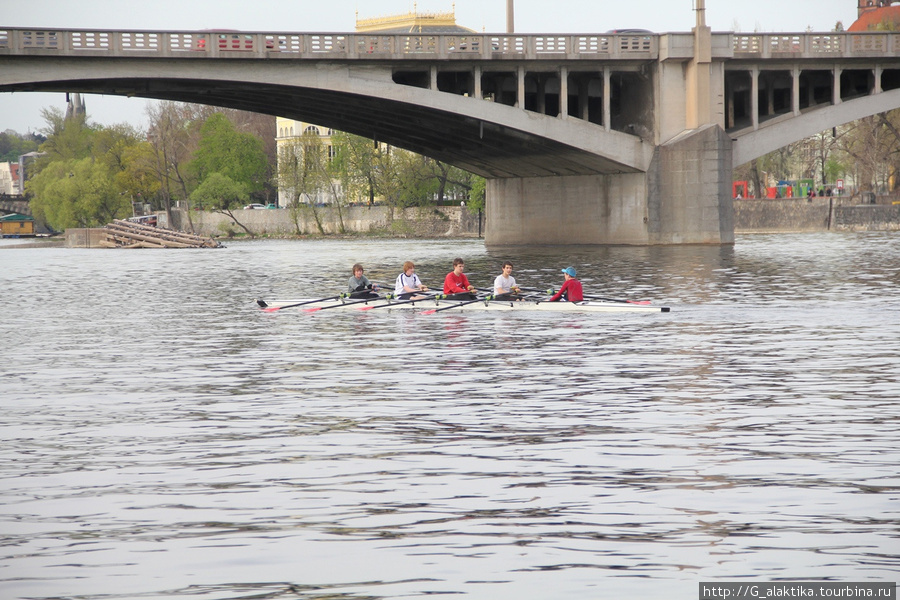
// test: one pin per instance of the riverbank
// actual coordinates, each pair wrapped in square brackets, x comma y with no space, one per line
[797,215]
[789,215]
[375,221]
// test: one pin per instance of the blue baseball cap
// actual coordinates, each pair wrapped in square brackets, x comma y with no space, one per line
[570,271]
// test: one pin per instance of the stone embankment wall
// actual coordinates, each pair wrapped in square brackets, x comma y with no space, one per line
[444,221]
[867,217]
[814,214]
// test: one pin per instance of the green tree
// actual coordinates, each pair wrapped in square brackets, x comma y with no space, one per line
[222,194]
[66,138]
[475,203]
[76,193]
[223,149]
[355,159]
[138,177]
[76,181]
[13,145]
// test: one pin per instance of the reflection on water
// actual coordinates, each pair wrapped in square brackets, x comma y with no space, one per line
[162,437]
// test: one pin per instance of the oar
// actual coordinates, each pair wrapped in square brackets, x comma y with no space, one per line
[551,291]
[389,304]
[342,304]
[434,310]
[616,300]
[267,308]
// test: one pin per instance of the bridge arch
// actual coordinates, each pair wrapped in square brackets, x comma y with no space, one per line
[491,139]
[554,140]
[779,132]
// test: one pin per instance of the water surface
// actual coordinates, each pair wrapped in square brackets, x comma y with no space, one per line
[163,438]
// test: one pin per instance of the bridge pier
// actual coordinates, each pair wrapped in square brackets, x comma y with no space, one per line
[684,198]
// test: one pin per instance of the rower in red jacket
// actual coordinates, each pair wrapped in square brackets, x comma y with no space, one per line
[456,284]
[571,289]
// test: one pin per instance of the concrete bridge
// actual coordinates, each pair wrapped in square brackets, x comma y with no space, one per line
[584,139]
[13,205]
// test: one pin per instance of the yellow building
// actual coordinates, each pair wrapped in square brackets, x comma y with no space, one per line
[413,22]
[288,131]
[16,225]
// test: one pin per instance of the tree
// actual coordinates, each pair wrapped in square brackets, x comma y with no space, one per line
[222,194]
[477,194]
[173,135]
[66,138]
[13,145]
[76,193]
[76,181]
[223,149]
[355,158]
[138,177]
[300,175]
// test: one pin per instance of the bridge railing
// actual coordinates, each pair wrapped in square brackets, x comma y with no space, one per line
[211,44]
[816,45]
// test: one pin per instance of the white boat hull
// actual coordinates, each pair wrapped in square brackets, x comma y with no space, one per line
[463,306]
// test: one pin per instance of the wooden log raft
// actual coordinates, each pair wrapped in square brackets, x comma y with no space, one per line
[127,234]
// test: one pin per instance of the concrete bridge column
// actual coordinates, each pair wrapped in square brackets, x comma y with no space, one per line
[754,97]
[476,76]
[433,84]
[607,99]
[684,198]
[836,88]
[795,90]
[541,93]
[583,94]
[770,96]
[876,88]
[563,92]
[520,87]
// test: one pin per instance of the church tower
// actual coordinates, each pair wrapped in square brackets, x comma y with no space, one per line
[75,106]
[867,5]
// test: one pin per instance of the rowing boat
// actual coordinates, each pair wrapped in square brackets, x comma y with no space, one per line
[469,306]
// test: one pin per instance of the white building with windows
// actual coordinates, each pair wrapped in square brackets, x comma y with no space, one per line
[289,131]
[288,135]
[9,179]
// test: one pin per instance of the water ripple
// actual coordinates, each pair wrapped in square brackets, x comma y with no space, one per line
[164,438]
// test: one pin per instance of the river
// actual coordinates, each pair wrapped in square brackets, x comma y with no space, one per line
[162,437]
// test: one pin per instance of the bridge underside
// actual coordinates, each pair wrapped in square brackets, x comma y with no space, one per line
[551,180]
[486,148]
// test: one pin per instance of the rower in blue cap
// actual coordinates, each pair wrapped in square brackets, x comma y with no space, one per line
[571,289]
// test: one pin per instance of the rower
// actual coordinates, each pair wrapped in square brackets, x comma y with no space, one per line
[360,286]
[571,290]
[505,287]
[456,284]
[408,284]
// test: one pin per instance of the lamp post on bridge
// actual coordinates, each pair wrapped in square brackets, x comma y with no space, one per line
[510,21]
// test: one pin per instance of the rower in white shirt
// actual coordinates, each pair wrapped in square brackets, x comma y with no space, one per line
[408,284]
[505,287]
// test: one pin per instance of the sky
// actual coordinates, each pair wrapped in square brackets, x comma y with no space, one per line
[21,112]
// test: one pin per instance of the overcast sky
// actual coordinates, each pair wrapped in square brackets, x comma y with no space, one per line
[21,111]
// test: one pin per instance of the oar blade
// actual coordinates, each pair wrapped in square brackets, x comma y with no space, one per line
[312,310]
[429,312]
[272,309]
